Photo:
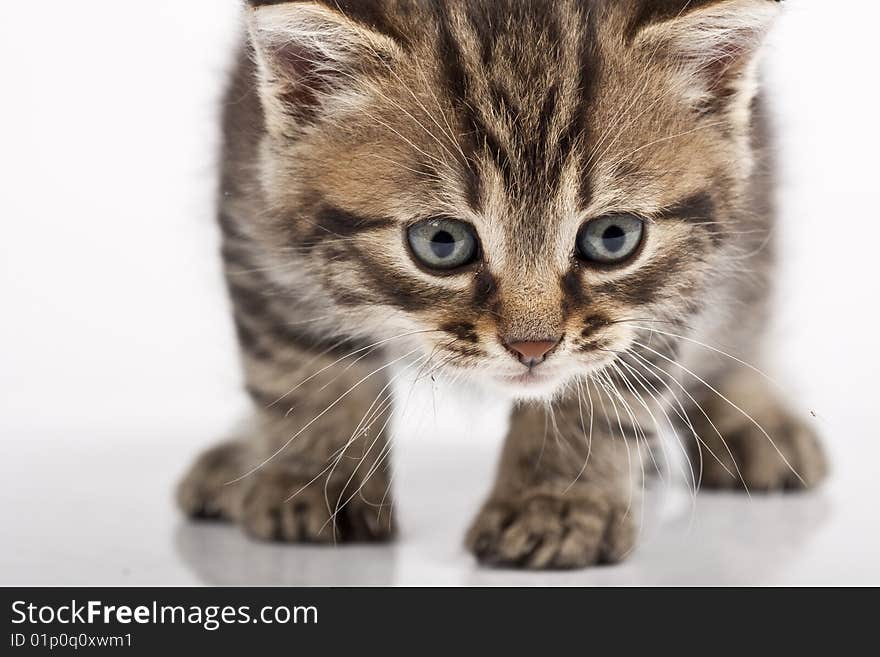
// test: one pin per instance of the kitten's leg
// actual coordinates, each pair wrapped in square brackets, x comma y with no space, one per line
[561,498]
[314,467]
[790,458]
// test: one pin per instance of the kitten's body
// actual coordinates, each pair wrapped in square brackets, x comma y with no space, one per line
[525,119]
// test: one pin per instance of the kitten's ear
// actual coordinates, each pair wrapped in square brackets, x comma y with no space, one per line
[310,58]
[713,43]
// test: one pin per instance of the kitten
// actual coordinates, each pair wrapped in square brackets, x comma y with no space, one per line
[564,201]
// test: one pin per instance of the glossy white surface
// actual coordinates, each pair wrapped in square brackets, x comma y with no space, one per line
[98,511]
[117,361]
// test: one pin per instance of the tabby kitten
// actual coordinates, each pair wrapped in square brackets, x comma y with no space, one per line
[564,201]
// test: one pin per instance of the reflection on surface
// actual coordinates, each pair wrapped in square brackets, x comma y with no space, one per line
[221,555]
[723,539]
[734,540]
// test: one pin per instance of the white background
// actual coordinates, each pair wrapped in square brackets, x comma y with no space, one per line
[117,360]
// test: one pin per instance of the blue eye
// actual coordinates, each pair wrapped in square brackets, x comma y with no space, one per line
[610,239]
[443,244]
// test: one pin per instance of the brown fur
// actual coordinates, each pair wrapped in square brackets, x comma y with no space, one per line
[348,121]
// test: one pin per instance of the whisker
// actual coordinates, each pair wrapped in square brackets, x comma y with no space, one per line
[386,447]
[735,407]
[319,416]
[644,405]
[646,364]
[588,439]
[643,383]
[342,358]
[717,351]
[623,438]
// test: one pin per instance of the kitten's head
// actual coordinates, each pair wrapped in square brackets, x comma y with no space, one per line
[518,184]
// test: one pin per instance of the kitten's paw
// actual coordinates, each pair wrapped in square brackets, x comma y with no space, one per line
[205,491]
[280,506]
[541,530]
[794,459]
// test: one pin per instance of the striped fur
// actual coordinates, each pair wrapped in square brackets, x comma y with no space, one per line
[348,121]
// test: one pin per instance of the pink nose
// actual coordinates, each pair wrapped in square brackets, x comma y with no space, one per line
[532,353]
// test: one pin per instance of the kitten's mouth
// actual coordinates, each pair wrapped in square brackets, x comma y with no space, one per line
[528,378]
[529,384]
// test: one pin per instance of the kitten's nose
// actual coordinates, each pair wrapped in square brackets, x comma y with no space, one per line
[532,353]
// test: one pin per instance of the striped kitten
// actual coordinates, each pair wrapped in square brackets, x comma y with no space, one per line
[564,201]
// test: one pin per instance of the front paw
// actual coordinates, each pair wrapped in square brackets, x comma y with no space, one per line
[206,491]
[280,506]
[790,459]
[539,529]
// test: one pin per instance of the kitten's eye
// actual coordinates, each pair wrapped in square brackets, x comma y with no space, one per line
[610,239]
[443,244]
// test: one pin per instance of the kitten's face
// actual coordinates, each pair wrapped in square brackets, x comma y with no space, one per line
[521,185]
